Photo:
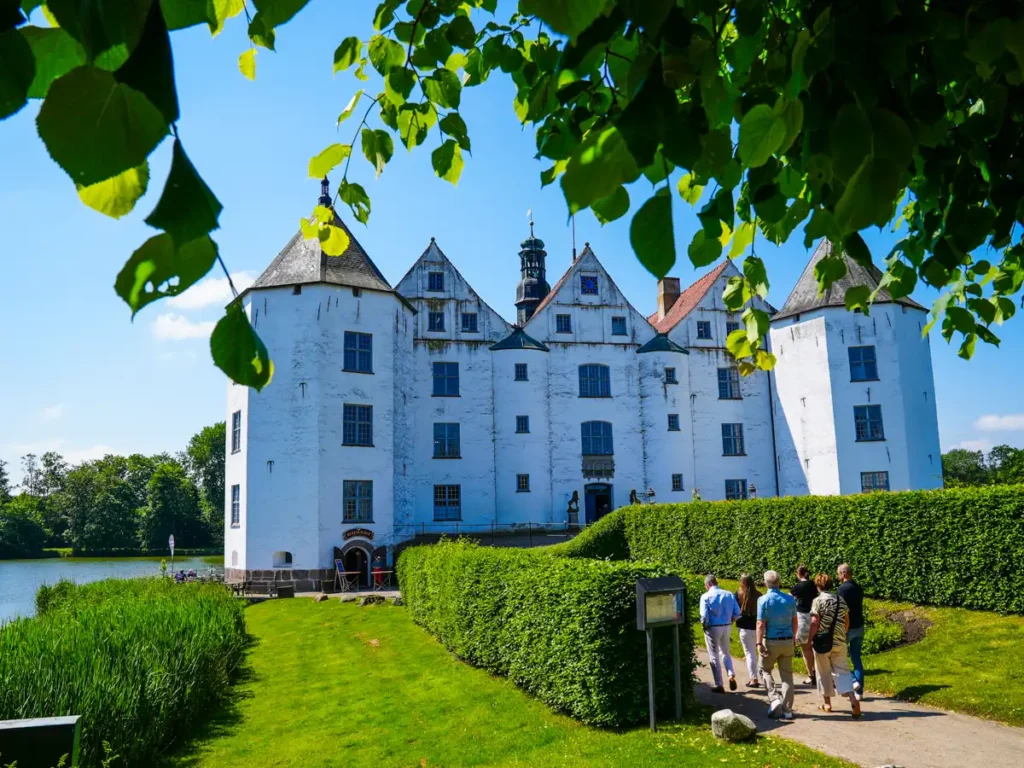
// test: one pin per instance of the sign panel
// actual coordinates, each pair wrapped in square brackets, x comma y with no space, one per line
[361,532]
[664,608]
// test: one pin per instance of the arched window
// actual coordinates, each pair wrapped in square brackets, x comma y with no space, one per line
[597,438]
[282,559]
[595,381]
[234,558]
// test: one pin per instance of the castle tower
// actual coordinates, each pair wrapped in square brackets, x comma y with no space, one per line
[854,393]
[533,286]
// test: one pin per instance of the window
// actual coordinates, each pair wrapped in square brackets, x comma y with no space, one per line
[670,376]
[735,489]
[447,502]
[446,379]
[358,501]
[874,481]
[595,381]
[469,322]
[522,483]
[446,441]
[357,425]
[588,285]
[868,421]
[730,326]
[521,372]
[618,326]
[435,321]
[563,324]
[597,438]
[236,494]
[435,281]
[522,424]
[732,440]
[729,384]
[358,352]
[356,292]
[863,366]
[673,422]
[281,559]
[677,482]
[236,431]
[703,329]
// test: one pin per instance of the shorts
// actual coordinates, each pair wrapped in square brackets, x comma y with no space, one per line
[803,628]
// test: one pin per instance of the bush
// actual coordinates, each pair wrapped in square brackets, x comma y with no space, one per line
[959,547]
[20,534]
[604,540]
[141,660]
[563,629]
[880,634]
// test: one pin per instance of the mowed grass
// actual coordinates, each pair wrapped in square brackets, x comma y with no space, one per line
[332,684]
[968,662]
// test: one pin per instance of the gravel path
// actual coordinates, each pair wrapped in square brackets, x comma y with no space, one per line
[890,732]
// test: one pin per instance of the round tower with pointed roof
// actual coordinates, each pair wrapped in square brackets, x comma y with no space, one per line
[533,286]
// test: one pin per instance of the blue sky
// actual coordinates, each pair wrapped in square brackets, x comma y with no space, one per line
[80,377]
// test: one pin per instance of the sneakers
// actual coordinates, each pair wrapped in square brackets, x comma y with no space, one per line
[857,692]
[856,686]
[732,683]
[718,689]
[787,715]
[858,696]
[775,708]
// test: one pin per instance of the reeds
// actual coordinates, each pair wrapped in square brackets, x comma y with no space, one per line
[141,660]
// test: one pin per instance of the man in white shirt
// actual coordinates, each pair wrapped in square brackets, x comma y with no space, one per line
[718,610]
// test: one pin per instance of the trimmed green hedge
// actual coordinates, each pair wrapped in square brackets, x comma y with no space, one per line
[961,547]
[563,629]
[604,540]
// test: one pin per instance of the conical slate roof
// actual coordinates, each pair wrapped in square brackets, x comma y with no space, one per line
[662,343]
[518,340]
[805,298]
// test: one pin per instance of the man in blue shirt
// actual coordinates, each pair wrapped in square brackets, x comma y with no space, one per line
[776,639]
[718,610]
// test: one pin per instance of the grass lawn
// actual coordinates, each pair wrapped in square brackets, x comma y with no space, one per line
[967,662]
[331,684]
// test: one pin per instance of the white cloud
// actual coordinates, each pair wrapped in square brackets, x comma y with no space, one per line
[1009,422]
[53,412]
[78,455]
[214,291]
[975,445]
[172,326]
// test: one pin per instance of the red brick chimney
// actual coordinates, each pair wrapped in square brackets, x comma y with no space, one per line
[668,295]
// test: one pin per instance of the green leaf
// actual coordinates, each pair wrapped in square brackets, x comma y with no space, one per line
[858,297]
[56,53]
[146,275]
[150,69]
[597,168]
[437,45]
[736,293]
[569,17]
[238,351]
[967,348]
[850,140]
[95,127]
[756,275]
[892,140]
[117,196]
[738,344]
[443,88]
[277,12]
[334,241]
[346,113]
[822,224]
[385,14]
[328,159]
[385,54]
[347,54]
[187,209]
[455,126]
[460,33]
[222,11]
[111,28]
[247,63]
[652,236]
[398,85]
[688,190]
[355,197]
[323,214]
[447,161]
[17,71]
[260,34]
[703,250]
[377,148]
[742,237]
[613,207]
[761,134]
[855,247]
[792,113]
[828,270]
[756,323]
[868,197]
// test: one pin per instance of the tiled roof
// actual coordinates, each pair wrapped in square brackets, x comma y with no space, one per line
[687,301]
[662,343]
[518,340]
[805,298]
[561,281]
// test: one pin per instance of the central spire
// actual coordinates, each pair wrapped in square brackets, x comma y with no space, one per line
[325,193]
[533,285]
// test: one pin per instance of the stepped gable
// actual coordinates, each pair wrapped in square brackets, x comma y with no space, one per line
[687,301]
[805,296]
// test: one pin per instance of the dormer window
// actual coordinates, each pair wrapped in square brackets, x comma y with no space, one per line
[588,285]
[435,282]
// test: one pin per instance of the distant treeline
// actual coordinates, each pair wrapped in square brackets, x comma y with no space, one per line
[1004,465]
[125,504]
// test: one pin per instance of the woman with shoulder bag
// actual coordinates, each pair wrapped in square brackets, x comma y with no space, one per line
[829,621]
[747,596]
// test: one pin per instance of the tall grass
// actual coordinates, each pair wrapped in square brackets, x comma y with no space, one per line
[141,660]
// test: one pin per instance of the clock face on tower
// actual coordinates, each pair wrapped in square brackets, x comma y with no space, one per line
[588,284]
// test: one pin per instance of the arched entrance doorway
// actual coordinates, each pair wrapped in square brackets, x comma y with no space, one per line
[358,559]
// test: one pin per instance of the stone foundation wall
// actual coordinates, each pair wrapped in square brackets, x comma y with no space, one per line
[312,580]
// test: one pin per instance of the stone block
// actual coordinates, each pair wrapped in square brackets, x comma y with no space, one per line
[729,725]
[321,598]
[397,601]
[371,600]
[348,598]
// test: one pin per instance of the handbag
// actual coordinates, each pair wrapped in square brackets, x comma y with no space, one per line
[823,641]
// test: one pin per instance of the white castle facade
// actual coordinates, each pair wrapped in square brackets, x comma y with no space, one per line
[417,408]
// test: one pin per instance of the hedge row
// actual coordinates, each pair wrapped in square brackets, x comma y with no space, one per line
[562,629]
[960,547]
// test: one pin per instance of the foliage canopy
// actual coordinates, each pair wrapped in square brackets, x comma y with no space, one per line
[834,115]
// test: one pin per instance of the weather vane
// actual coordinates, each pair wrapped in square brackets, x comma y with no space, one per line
[529,214]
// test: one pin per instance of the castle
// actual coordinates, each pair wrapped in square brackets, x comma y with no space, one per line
[417,408]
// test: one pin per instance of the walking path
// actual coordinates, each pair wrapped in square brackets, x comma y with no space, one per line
[890,732]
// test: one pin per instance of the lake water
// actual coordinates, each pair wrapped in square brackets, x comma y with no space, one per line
[19,579]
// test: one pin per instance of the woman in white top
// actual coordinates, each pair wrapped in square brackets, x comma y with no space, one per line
[829,621]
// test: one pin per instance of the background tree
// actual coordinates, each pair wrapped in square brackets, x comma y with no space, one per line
[5,483]
[205,464]
[172,508]
[99,506]
[845,115]
[21,534]
[963,467]
[31,475]
[52,470]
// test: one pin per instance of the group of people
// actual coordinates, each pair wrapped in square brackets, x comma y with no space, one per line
[181,576]
[826,622]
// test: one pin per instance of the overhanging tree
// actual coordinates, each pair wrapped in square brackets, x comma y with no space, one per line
[836,116]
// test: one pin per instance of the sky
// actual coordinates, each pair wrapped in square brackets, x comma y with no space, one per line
[80,377]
